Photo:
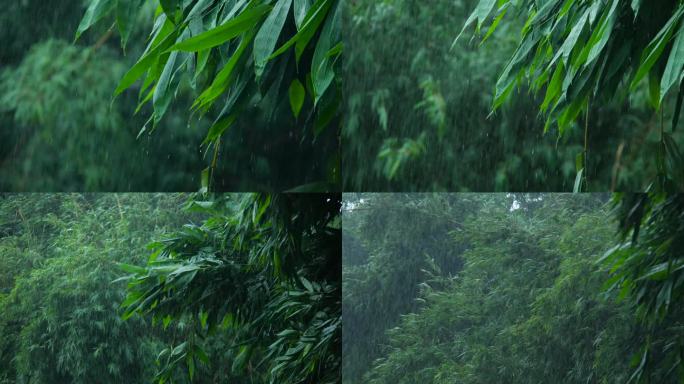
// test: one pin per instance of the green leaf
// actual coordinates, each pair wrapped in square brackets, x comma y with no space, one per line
[484,8]
[218,128]
[571,41]
[654,89]
[307,284]
[301,8]
[579,161]
[162,96]
[241,359]
[602,33]
[678,107]
[479,15]
[225,76]
[313,19]
[296,93]
[312,22]
[636,5]
[190,361]
[204,181]
[126,11]
[169,7]
[570,113]
[675,63]
[577,188]
[267,37]
[554,88]
[145,62]
[322,73]
[495,23]
[132,268]
[96,10]
[201,355]
[655,48]
[225,32]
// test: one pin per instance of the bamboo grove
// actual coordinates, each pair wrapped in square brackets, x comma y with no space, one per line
[170,288]
[515,288]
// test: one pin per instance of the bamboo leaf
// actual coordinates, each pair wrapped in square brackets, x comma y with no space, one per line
[296,93]
[96,11]
[225,32]
[126,11]
[675,63]
[655,47]
[301,8]
[266,38]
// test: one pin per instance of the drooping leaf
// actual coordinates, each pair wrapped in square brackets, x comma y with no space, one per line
[96,10]
[322,73]
[266,38]
[146,61]
[674,66]
[296,93]
[656,47]
[126,12]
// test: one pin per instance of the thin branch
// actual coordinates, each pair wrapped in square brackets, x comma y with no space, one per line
[103,39]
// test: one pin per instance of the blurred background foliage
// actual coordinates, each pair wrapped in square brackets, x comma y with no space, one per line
[62,130]
[417,113]
[514,288]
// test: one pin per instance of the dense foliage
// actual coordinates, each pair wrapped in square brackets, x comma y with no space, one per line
[59,311]
[648,268]
[249,295]
[263,271]
[64,130]
[527,298]
[418,108]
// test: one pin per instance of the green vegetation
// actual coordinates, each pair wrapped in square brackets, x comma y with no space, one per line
[217,99]
[545,96]
[241,288]
[59,310]
[512,288]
